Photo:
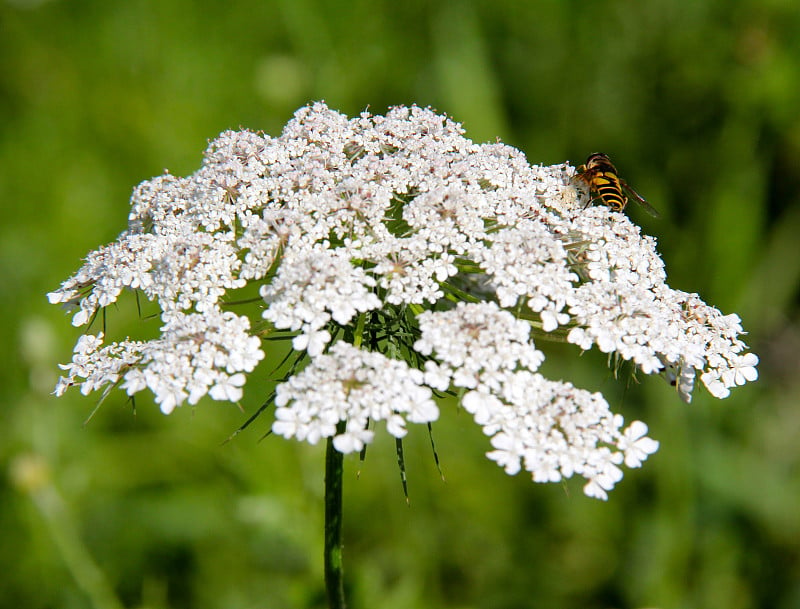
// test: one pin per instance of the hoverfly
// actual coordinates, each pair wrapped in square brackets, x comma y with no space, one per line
[604,183]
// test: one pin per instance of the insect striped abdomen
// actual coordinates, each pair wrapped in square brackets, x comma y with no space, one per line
[608,188]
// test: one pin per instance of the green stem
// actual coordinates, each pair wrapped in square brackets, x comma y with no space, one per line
[334,570]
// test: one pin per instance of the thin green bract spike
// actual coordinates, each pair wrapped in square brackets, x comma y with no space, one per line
[402,465]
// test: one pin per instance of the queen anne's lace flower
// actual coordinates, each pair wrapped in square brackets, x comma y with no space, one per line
[312,288]
[355,386]
[365,232]
[196,354]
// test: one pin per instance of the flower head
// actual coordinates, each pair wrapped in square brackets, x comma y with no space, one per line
[402,259]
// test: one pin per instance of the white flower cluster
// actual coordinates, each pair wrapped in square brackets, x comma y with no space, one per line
[371,228]
[626,307]
[194,356]
[354,386]
[314,286]
[550,428]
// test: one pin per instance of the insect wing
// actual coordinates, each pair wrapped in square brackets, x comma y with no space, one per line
[639,199]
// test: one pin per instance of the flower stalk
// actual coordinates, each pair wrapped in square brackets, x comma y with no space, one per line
[334,566]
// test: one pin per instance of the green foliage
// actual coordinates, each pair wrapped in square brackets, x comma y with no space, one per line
[695,102]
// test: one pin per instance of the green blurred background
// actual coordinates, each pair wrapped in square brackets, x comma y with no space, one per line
[696,102]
